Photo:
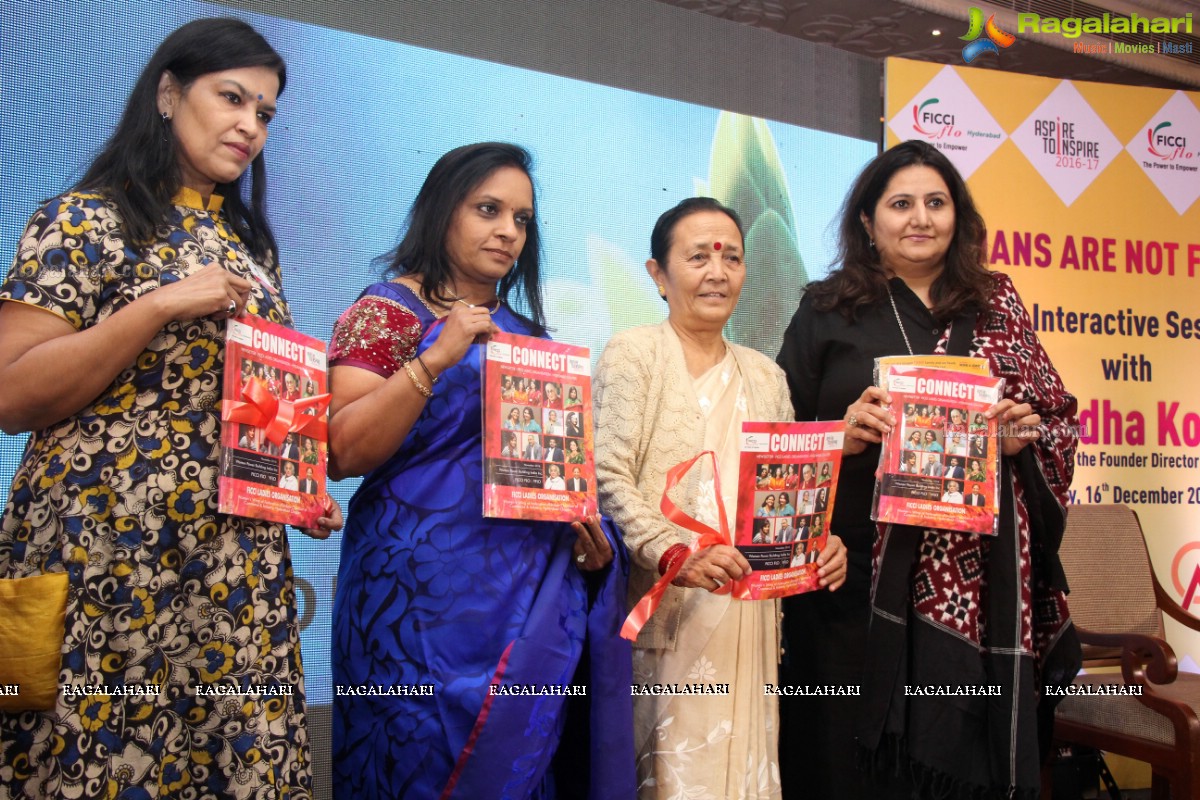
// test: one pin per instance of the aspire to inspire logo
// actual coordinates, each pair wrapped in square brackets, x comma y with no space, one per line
[994,41]
[1175,145]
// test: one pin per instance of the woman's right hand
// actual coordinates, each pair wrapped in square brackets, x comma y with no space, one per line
[592,550]
[464,326]
[206,293]
[867,421]
[370,416]
[712,568]
[50,370]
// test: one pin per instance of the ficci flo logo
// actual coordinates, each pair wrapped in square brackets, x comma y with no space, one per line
[932,122]
[1175,145]
[996,38]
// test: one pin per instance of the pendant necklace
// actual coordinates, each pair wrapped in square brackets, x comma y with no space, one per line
[899,321]
[491,311]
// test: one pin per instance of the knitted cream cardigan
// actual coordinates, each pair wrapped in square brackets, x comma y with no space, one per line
[648,419]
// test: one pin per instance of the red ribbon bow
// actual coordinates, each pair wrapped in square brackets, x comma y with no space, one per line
[646,607]
[277,417]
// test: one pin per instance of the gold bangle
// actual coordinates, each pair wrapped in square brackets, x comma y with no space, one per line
[412,376]
[432,380]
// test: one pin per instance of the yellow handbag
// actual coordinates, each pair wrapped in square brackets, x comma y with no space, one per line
[32,613]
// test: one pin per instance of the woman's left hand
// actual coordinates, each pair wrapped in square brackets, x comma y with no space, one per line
[332,521]
[1018,425]
[592,550]
[832,563]
[868,420]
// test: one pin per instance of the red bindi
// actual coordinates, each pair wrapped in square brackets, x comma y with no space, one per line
[716,245]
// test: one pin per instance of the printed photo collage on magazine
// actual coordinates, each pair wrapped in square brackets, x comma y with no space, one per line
[791,502]
[787,487]
[948,448]
[542,425]
[537,430]
[938,466]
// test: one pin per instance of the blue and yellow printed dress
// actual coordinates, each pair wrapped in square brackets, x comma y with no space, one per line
[165,592]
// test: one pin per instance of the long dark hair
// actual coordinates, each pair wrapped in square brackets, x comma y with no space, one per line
[965,282]
[138,169]
[422,251]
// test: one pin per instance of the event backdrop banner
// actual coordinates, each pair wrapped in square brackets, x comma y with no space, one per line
[1089,193]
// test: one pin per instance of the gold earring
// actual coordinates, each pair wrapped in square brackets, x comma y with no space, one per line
[662,290]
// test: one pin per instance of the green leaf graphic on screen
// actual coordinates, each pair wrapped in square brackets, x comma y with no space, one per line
[628,292]
[745,174]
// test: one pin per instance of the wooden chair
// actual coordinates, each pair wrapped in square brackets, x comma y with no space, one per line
[1117,605]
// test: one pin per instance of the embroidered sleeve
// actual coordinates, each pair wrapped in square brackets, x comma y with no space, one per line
[376,334]
[60,259]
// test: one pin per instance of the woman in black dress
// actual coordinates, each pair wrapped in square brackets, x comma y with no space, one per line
[912,279]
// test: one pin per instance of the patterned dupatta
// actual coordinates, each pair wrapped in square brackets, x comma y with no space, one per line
[967,630]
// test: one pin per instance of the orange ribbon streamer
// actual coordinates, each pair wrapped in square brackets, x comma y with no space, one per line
[646,607]
[277,417]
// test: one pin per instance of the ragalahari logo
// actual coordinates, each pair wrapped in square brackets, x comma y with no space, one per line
[996,38]
[1175,145]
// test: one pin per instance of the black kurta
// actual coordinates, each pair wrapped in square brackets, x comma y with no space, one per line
[829,361]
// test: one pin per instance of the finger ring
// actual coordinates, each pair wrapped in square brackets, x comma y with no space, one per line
[852,420]
[231,308]
[718,583]
[579,559]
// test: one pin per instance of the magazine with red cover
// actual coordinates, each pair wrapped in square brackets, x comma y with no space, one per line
[537,430]
[974,364]
[787,482]
[938,466]
[274,438]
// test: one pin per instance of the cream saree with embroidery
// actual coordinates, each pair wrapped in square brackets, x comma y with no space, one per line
[713,746]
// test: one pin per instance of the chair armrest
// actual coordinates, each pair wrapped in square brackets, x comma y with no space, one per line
[1143,658]
[1172,609]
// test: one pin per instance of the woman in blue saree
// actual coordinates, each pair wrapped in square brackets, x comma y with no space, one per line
[437,609]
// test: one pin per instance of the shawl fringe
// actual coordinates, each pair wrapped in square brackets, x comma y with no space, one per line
[891,759]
